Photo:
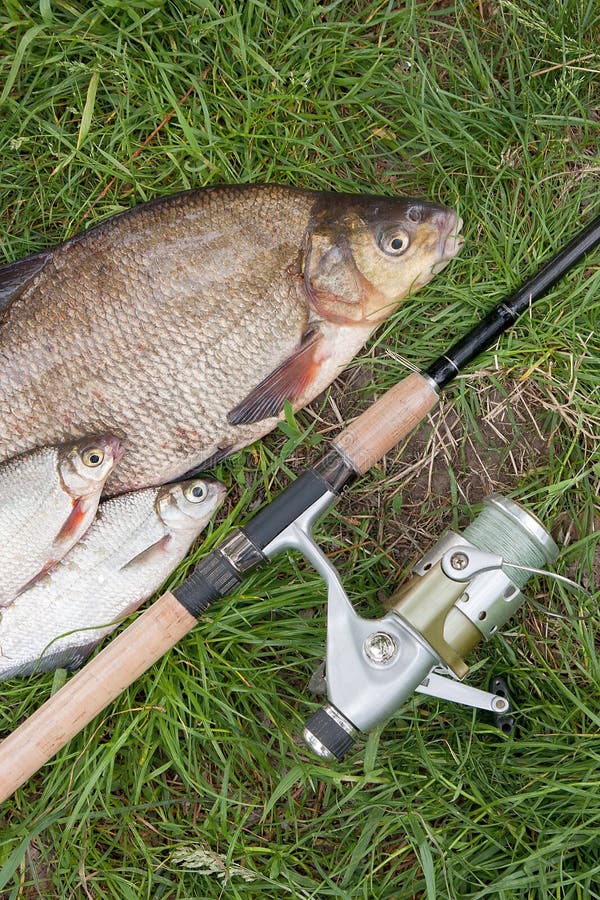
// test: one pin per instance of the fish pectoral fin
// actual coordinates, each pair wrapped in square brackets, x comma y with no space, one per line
[288,381]
[152,552]
[15,276]
[72,524]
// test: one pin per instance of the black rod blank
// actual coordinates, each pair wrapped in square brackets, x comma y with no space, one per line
[486,332]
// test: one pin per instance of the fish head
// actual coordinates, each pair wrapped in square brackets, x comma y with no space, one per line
[363,255]
[188,506]
[85,464]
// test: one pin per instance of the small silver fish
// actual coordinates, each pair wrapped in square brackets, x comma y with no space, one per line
[134,543]
[48,499]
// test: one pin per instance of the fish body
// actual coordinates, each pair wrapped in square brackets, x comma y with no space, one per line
[185,324]
[134,543]
[48,498]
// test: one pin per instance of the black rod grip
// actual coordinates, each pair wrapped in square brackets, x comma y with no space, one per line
[284,509]
[214,577]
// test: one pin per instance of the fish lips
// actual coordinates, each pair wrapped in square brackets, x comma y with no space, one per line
[451,241]
[116,447]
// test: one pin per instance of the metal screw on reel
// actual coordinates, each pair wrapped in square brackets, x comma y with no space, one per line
[459,561]
[380,648]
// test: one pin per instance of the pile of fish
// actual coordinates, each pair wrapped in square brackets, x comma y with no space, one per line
[76,592]
[183,325]
[155,344]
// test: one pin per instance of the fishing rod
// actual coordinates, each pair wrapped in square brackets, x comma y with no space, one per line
[284,523]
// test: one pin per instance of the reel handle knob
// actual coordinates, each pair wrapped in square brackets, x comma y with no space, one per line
[329,734]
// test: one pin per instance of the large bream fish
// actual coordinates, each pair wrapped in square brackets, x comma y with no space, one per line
[184,324]
[134,543]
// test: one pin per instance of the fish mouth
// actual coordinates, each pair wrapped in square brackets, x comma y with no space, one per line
[454,240]
[220,491]
[112,443]
[450,242]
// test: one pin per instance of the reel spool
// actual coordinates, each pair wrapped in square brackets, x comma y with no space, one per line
[461,592]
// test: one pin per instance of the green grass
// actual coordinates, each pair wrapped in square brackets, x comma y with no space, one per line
[492,107]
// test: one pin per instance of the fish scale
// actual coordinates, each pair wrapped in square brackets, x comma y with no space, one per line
[182,325]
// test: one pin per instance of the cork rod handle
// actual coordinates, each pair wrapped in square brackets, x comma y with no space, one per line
[86,694]
[387,421]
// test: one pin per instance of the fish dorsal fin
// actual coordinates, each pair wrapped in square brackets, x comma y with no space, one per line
[15,276]
[288,381]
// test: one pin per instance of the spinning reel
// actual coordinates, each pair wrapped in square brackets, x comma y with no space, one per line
[460,593]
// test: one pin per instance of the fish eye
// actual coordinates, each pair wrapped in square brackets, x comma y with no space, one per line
[93,456]
[395,242]
[196,492]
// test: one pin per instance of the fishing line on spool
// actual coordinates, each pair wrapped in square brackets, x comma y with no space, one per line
[495,532]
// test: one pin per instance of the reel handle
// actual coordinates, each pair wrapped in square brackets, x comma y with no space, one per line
[88,692]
